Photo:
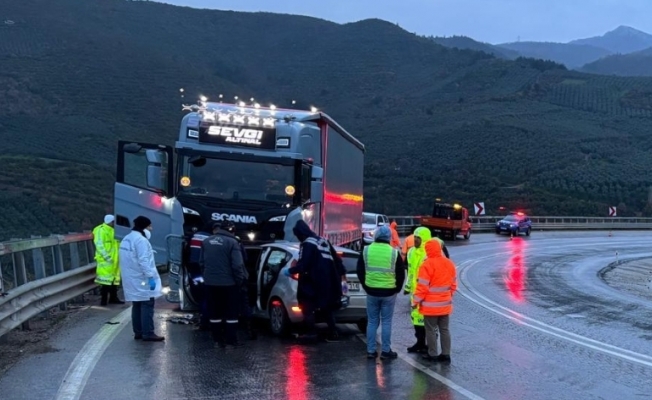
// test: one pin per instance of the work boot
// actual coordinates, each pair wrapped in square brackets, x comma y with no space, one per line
[333,337]
[418,347]
[153,338]
[388,355]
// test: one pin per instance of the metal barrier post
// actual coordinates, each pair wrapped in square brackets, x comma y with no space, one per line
[74,255]
[58,259]
[39,263]
[21,277]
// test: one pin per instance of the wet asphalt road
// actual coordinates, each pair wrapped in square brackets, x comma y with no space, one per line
[532,320]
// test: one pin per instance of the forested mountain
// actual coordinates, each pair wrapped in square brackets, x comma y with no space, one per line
[621,40]
[571,55]
[633,64]
[76,76]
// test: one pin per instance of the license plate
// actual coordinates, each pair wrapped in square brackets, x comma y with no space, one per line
[354,286]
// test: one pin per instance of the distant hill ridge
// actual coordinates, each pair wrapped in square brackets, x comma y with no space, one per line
[459,124]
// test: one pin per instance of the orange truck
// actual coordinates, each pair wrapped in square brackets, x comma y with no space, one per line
[448,221]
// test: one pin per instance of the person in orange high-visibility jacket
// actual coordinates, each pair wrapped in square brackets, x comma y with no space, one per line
[434,298]
[407,245]
[396,240]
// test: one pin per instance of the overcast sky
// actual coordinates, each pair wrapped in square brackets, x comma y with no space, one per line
[493,21]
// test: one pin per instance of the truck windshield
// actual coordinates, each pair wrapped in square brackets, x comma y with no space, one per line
[238,180]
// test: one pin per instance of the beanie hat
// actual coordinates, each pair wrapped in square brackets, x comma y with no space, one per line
[108,218]
[383,233]
[140,223]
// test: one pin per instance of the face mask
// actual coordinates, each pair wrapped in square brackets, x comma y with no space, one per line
[148,234]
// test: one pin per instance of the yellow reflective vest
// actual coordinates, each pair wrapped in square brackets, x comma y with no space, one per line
[380,261]
[107,270]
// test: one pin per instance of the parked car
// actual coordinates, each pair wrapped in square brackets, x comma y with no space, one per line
[277,293]
[514,224]
[371,222]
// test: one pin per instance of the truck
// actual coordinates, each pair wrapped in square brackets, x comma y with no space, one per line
[448,221]
[262,168]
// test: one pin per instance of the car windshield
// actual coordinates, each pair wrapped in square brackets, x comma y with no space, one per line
[511,218]
[238,180]
[446,212]
[369,219]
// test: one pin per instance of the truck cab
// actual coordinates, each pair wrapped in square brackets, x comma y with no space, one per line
[448,221]
[261,168]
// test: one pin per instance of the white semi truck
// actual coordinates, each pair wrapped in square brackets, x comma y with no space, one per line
[261,168]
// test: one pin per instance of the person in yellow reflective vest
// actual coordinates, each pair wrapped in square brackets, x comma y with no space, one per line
[107,271]
[381,272]
[415,257]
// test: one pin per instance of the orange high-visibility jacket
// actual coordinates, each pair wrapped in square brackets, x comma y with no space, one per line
[396,240]
[436,283]
[407,245]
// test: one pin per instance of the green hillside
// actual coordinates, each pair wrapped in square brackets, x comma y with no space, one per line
[466,43]
[633,64]
[76,76]
[571,55]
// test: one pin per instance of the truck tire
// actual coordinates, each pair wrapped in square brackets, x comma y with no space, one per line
[468,235]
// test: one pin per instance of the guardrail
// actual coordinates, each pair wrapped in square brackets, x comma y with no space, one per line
[40,273]
[483,223]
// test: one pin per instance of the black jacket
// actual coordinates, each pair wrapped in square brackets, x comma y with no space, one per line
[221,260]
[399,269]
[320,271]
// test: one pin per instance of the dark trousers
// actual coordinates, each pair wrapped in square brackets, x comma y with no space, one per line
[204,316]
[142,318]
[223,306]
[309,312]
[109,292]
[420,334]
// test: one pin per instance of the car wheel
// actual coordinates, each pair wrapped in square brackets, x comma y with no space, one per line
[279,323]
[497,231]
[468,235]
[527,233]
[362,325]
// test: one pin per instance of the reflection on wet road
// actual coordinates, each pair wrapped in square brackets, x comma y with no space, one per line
[532,320]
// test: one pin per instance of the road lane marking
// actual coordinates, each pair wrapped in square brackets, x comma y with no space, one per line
[540,326]
[417,365]
[82,366]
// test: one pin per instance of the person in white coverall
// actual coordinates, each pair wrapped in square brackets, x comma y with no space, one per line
[141,282]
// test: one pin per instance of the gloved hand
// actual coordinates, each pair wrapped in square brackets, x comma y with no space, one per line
[405,292]
[152,283]
[108,259]
[198,280]
[286,272]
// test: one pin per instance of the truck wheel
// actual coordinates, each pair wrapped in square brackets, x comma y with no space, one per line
[362,325]
[468,235]
[279,323]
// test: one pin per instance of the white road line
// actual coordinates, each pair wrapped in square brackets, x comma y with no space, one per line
[540,326]
[417,365]
[81,367]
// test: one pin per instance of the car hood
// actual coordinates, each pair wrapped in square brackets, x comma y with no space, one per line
[369,227]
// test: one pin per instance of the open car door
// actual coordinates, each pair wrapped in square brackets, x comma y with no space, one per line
[145,186]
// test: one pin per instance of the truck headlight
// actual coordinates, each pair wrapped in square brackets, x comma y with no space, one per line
[189,211]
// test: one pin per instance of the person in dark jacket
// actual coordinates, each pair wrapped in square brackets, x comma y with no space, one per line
[223,271]
[321,273]
[381,272]
[194,270]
